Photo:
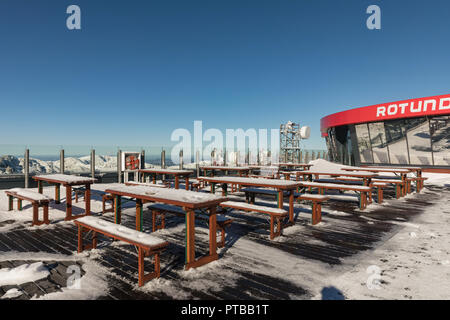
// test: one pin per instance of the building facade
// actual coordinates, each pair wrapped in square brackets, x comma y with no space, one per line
[413,132]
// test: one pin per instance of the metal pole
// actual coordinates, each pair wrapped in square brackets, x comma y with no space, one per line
[142,159]
[27,167]
[269,157]
[163,163]
[197,163]
[61,161]
[181,159]
[119,166]
[225,157]
[93,163]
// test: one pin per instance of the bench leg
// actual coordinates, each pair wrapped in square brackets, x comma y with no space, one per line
[10,203]
[316,212]
[275,222]
[45,208]
[19,204]
[87,199]
[68,203]
[35,214]
[143,278]
[57,193]
[155,215]
[380,195]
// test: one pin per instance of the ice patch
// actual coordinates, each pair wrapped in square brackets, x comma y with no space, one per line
[22,274]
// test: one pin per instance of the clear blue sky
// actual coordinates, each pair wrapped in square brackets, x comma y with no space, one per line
[139,69]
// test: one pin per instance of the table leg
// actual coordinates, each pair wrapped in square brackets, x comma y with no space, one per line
[40,186]
[187,183]
[280,199]
[177,182]
[139,214]
[212,231]
[57,193]
[291,206]
[87,199]
[190,237]
[117,209]
[68,203]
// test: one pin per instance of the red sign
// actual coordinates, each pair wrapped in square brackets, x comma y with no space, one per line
[436,105]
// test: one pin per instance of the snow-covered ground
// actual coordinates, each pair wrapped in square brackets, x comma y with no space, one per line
[411,263]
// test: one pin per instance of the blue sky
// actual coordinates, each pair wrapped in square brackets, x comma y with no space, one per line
[140,69]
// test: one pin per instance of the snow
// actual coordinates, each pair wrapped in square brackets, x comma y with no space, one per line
[30,194]
[168,194]
[167,171]
[252,206]
[66,178]
[224,168]
[121,231]
[12,293]
[333,185]
[22,274]
[255,181]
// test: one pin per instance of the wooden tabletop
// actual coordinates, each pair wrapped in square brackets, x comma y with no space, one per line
[167,171]
[260,182]
[376,169]
[65,179]
[182,198]
[366,174]
[224,168]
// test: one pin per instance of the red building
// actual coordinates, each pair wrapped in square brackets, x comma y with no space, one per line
[408,132]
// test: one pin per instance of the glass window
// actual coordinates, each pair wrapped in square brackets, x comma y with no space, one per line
[440,138]
[378,141]
[365,152]
[419,141]
[396,141]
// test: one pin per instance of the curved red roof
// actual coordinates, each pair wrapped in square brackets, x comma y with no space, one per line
[435,105]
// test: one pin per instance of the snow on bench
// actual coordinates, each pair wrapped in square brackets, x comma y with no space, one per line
[363,190]
[316,200]
[37,200]
[146,243]
[30,194]
[276,214]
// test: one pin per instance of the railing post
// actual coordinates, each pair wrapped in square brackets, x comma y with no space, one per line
[26,168]
[93,163]
[163,163]
[197,163]
[181,159]
[61,161]
[119,166]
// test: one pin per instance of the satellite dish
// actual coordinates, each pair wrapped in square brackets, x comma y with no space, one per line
[305,132]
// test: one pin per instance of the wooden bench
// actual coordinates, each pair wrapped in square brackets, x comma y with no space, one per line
[37,200]
[364,191]
[379,186]
[316,200]
[160,209]
[396,182]
[250,193]
[276,214]
[147,244]
[418,181]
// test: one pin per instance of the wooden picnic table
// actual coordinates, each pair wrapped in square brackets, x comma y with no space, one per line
[279,185]
[415,170]
[366,176]
[177,173]
[68,181]
[189,201]
[242,171]
[397,171]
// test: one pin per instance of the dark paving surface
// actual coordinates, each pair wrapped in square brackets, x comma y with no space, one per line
[340,237]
